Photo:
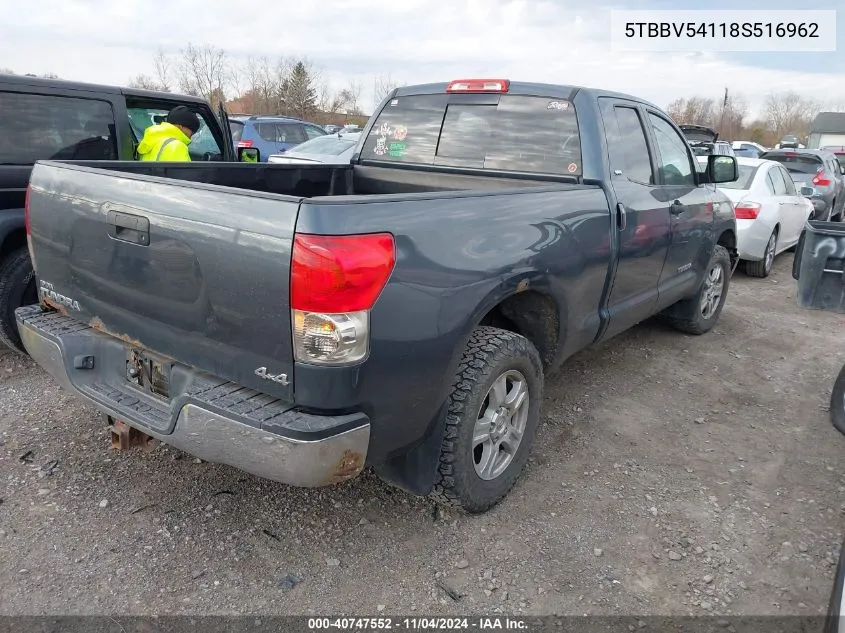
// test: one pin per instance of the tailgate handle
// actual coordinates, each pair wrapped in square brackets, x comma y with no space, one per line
[127,227]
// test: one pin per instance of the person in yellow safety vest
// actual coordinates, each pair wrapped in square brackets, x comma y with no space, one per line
[168,141]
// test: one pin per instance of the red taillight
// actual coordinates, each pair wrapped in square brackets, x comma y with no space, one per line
[26,211]
[339,273]
[244,143]
[747,210]
[790,154]
[821,178]
[478,85]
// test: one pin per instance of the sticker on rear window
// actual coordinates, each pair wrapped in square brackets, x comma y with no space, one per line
[572,168]
[400,132]
[381,146]
[397,150]
[558,105]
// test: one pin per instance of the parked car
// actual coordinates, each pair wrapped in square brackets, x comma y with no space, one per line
[332,148]
[302,321]
[821,171]
[749,149]
[770,212]
[272,134]
[705,141]
[790,141]
[839,152]
[331,129]
[51,119]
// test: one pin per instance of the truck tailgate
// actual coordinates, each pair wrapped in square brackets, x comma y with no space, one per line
[194,272]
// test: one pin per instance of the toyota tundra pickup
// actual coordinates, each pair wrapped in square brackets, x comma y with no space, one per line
[301,322]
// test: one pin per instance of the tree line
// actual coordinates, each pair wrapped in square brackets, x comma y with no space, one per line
[286,86]
[787,112]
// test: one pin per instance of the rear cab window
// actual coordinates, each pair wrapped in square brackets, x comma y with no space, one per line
[41,127]
[506,132]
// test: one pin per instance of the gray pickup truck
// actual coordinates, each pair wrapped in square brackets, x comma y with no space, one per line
[302,322]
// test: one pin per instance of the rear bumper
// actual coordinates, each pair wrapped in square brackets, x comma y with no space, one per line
[752,237]
[210,418]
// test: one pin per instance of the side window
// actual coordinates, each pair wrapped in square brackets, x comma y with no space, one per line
[41,127]
[777,180]
[313,132]
[629,149]
[268,132]
[787,179]
[770,183]
[144,114]
[291,133]
[674,163]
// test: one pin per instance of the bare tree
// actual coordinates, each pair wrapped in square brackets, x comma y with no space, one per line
[351,97]
[7,71]
[383,85]
[204,71]
[145,82]
[789,113]
[163,66]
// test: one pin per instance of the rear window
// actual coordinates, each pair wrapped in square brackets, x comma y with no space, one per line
[797,164]
[520,133]
[292,133]
[746,175]
[841,159]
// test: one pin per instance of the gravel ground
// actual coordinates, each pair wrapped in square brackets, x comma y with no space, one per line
[672,475]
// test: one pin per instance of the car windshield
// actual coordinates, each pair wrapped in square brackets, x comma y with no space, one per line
[329,145]
[797,163]
[746,176]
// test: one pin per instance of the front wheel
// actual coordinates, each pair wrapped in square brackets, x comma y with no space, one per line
[699,313]
[492,416]
[837,402]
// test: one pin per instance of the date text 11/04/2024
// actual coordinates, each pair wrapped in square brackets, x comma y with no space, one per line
[722,29]
[418,624]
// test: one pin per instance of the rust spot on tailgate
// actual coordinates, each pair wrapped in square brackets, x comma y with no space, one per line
[97,324]
[349,465]
[58,307]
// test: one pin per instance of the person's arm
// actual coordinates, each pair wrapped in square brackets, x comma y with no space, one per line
[175,151]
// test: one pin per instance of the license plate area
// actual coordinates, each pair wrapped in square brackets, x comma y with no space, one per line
[148,373]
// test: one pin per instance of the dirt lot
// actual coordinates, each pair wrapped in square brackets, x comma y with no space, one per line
[672,475]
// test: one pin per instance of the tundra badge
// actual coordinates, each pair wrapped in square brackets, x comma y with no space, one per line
[282,379]
[47,292]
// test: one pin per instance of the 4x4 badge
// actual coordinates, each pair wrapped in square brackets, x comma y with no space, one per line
[282,379]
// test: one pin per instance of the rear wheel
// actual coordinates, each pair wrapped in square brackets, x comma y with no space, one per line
[492,416]
[17,288]
[763,267]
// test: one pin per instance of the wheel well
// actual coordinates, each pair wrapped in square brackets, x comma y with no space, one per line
[13,241]
[728,240]
[533,315]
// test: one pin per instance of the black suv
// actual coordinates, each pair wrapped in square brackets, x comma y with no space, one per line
[42,119]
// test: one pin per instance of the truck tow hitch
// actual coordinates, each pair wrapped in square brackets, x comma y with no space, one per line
[124,437]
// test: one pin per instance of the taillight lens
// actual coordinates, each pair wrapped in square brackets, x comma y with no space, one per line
[821,178]
[244,143]
[335,281]
[747,210]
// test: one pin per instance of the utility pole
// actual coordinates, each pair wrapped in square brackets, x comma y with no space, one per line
[724,108]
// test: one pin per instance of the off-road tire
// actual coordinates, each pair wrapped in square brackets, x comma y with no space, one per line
[686,315]
[758,269]
[837,402]
[489,353]
[17,288]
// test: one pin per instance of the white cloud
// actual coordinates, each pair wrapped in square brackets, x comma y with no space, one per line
[416,41]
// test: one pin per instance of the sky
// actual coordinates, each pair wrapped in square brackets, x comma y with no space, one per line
[415,41]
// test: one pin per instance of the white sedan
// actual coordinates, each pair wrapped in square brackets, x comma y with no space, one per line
[336,149]
[770,213]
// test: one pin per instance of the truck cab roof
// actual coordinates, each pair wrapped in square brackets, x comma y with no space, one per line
[64,84]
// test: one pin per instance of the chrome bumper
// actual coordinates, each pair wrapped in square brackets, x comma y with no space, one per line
[207,432]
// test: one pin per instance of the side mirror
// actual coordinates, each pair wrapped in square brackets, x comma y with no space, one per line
[807,191]
[721,169]
[249,155]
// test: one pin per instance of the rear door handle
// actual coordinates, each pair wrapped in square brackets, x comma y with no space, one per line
[676,208]
[621,217]
[128,227]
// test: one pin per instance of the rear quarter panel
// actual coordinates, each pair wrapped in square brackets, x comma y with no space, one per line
[457,257]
